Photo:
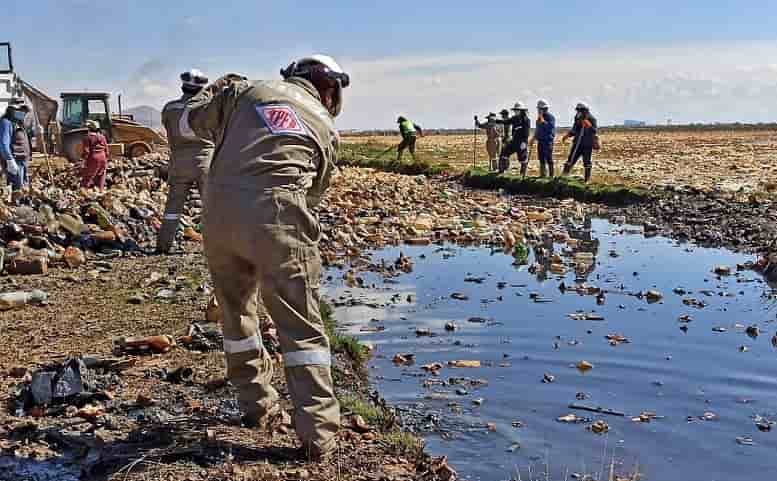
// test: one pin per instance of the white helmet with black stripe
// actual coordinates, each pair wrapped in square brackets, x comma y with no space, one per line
[193,79]
[326,75]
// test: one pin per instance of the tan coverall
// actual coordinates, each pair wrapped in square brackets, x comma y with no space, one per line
[493,142]
[190,159]
[276,150]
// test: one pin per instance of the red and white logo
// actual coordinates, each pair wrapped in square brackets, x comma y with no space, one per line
[280,119]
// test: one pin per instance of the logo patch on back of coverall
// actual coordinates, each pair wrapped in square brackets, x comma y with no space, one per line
[280,119]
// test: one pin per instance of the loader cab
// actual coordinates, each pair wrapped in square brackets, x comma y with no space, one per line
[77,108]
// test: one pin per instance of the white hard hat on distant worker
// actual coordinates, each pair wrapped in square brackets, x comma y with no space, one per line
[520,106]
[542,104]
[325,74]
[581,106]
[194,78]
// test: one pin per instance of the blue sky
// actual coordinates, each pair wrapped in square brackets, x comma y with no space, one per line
[437,62]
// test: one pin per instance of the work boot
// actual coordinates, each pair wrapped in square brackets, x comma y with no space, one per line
[267,420]
[523,170]
[315,454]
[543,170]
[587,174]
[567,169]
[550,170]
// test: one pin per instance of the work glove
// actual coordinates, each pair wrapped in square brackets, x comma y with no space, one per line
[11,167]
[224,82]
[587,124]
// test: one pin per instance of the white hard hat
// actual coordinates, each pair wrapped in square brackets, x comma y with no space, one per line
[581,106]
[317,67]
[194,78]
[542,104]
[324,60]
[519,106]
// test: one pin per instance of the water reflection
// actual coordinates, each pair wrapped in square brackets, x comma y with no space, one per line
[682,362]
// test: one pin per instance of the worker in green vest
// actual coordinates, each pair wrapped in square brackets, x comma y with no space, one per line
[408,131]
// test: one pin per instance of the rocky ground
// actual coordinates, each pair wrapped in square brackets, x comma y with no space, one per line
[164,413]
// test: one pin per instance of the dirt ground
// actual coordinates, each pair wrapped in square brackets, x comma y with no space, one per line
[710,159]
[152,428]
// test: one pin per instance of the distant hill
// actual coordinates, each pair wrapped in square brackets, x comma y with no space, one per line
[146,115]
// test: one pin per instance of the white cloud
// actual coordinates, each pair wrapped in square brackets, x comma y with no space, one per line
[686,83]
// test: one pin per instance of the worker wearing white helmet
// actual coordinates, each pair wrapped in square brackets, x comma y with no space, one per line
[276,146]
[189,158]
[544,134]
[493,140]
[519,144]
[584,131]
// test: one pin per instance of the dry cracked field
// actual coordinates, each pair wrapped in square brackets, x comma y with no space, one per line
[721,158]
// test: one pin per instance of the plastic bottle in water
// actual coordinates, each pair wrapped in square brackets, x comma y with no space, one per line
[12,300]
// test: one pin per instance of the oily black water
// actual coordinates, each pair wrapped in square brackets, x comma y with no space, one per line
[689,359]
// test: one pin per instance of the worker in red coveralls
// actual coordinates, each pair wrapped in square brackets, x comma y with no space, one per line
[95,154]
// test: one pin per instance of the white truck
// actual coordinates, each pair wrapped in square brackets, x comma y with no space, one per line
[9,84]
[44,108]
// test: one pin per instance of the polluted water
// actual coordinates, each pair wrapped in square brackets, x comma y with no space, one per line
[632,351]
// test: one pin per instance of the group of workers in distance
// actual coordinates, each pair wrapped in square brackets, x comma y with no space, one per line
[509,135]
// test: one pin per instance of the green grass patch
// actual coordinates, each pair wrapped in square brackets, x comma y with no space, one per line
[380,157]
[400,443]
[374,415]
[562,187]
[341,343]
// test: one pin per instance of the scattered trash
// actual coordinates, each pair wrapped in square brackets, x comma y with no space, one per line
[572,419]
[745,440]
[213,311]
[450,326]
[404,359]
[616,339]
[722,270]
[13,300]
[464,364]
[434,368]
[645,417]
[68,383]
[753,331]
[599,427]
[584,366]
[653,296]
[144,345]
[204,338]
[599,410]
[74,257]
[548,378]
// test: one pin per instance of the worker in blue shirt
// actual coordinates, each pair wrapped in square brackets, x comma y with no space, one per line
[15,148]
[544,134]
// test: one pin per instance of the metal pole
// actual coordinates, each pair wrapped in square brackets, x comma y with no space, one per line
[120,112]
[474,146]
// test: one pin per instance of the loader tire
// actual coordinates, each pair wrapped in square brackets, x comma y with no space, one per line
[71,147]
[138,149]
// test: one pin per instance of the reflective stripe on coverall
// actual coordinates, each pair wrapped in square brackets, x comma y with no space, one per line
[189,162]
[276,148]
